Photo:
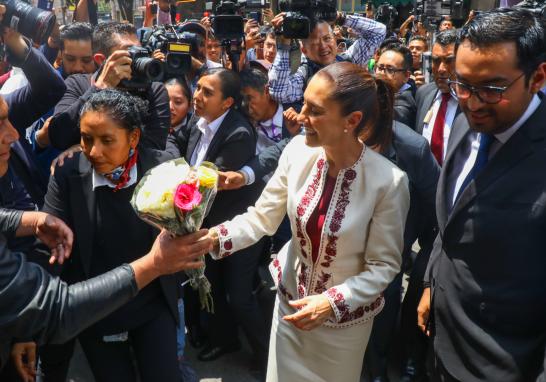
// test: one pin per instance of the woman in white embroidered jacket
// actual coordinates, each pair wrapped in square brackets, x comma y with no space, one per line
[347,207]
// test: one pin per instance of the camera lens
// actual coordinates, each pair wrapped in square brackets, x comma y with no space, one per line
[31,22]
[148,67]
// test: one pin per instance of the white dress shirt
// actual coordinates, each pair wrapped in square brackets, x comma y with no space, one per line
[208,130]
[450,117]
[99,180]
[465,159]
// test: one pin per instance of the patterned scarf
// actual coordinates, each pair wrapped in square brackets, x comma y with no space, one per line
[120,176]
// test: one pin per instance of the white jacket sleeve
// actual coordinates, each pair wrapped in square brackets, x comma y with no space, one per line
[262,219]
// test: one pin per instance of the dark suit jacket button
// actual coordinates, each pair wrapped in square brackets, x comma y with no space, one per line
[482,307]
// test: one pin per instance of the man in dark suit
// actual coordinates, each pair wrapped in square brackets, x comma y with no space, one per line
[436,107]
[223,136]
[411,152]
[394,64]
[488,264]
[110,43]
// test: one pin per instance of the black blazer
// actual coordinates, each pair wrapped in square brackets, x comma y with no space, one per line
[411,152]
[424,100]
[488,264]
[64,128]
[405,108]
[232,146]
[70,197]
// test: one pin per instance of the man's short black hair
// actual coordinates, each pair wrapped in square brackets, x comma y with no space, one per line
[418,37]
[254,78]
[388,42]
[404,51]
[501,25]
[103,35]
[446,38]
[76,32]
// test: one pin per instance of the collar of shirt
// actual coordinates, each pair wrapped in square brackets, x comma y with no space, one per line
[210,128]
[181,124]
[533,106]
[277,119]
[404,87]
[99,180]
[439,97]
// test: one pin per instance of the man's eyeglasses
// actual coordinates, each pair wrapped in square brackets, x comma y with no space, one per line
[486,94]
[389,70]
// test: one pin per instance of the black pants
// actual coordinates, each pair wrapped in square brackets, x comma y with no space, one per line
[383,330]
[414,340]
[153,345]
[232,282]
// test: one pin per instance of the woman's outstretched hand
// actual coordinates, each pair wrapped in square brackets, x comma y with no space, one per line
[312,312]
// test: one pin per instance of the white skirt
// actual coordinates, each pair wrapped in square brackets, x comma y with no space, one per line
[319,355]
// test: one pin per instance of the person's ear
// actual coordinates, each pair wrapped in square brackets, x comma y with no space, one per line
[303,48]
[227,103]
[538,79]
[99,58]
[134,138]
[352,121]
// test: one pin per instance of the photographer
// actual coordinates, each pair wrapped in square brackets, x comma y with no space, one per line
[320,50]
[110,44]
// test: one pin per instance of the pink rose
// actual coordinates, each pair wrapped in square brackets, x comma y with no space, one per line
[187,197]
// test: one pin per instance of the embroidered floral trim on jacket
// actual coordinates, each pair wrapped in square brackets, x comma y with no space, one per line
[343,311]
[226,245]
[304,204]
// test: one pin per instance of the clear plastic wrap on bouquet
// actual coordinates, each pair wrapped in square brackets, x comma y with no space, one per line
[177,197]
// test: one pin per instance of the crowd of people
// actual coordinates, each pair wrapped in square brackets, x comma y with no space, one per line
[342,174]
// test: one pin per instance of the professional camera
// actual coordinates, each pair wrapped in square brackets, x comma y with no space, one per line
[144,70]
[31,22]
[227,23]
[538,7]
[387,14]
[302,15]
[177,48]
[431,12]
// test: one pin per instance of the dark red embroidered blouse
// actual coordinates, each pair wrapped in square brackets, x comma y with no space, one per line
[317,218]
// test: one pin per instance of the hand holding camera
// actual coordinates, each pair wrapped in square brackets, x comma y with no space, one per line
[116,68]
[13,40]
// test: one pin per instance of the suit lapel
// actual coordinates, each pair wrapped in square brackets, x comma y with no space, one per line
[427,104]
[195,136]
[459,133]
[220,135]
[511,153]
[83,205]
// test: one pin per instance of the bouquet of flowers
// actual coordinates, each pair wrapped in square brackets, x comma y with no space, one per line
[177,197]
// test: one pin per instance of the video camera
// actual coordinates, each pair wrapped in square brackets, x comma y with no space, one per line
[177,47]
[302,16]
[144,70]
[431,12]
[387,14]
[31,22]
[538,7]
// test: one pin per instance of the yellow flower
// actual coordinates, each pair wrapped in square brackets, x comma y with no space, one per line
[207,177]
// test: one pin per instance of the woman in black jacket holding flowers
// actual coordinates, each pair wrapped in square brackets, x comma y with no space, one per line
[91,192]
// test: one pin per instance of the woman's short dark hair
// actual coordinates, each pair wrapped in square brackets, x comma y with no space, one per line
[182,83]
[355,89]
[519,26]
[230,83]
[126,110]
